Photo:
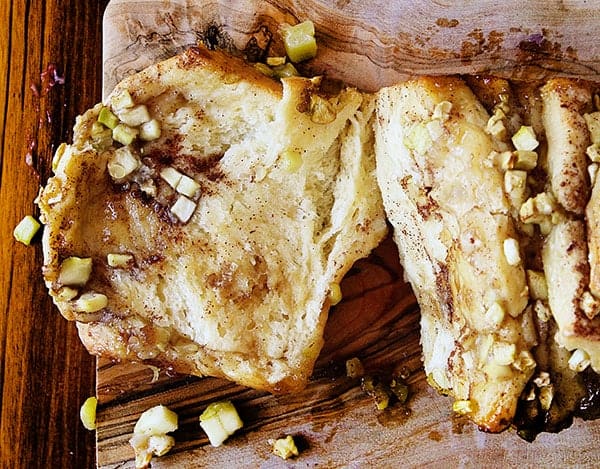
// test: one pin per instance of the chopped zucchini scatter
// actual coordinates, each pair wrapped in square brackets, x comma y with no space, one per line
[220,420]
[150,434]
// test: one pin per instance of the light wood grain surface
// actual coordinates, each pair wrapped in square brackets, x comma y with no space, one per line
[374,43]
[44,371]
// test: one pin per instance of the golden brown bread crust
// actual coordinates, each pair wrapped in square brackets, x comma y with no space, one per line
[564,102]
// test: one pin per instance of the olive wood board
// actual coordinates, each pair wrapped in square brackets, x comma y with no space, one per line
[368,45]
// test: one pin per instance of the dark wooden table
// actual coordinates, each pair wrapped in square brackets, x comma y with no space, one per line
[45,373]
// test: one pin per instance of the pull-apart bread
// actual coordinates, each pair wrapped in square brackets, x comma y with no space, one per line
[205,214]
[493,218]
[451,220]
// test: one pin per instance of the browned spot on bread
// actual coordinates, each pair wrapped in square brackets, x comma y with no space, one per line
[232,69]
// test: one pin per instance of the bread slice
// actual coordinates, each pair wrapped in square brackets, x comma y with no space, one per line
[453,226]
[570,251]
[236,224]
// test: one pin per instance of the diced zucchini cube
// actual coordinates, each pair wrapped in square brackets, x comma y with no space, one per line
[26,230]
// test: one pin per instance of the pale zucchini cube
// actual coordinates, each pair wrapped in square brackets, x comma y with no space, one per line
[157,420]
[220,420]
[101,137]
[124,134]
[26,230]
[187,186]
[526,159]
[66,293]
[171,176]
[442,110]
[284,71]
[160,445]
[579,360]
[75,271]
[150,434]
[463,407]
[504,353]
[150,130]
[593,123]
[512,251]
[525,139]
[87,413]
[119,260]
[495,315]
[285,447]
[90,302]
[183,208]
[143,455]
[135,116]
[123,162]
[275,61]
[107,118]
[515,186]
[215,431]
[230,420]
[123,100]
[593,152]
[299,41]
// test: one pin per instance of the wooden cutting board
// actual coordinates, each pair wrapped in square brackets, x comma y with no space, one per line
[367,44]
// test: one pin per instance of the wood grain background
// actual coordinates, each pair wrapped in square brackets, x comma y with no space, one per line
[377,42]
[44,371]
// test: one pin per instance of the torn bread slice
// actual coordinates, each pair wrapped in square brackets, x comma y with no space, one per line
[458,244]
[210,238]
